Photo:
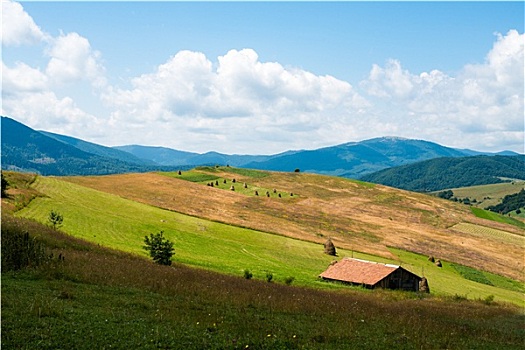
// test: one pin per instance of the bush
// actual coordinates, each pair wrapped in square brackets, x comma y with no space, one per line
[247,274]
[269,276]
[289,280]
[159,248]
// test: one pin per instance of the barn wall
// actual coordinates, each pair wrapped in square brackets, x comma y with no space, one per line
[400,279]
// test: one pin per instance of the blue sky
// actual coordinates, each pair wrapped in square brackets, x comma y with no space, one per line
[265,77]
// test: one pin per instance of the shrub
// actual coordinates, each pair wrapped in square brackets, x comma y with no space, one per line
[269,276]
[288,280]
[247,274]
[159,248]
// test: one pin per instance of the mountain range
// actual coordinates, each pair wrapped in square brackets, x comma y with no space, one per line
[48,153]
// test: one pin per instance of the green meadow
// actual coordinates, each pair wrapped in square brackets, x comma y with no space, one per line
[114,222]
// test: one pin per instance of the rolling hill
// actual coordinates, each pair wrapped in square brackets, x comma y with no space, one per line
[203,301]
[357,216]
[445,173]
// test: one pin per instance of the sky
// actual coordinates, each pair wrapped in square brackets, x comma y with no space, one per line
[267,77]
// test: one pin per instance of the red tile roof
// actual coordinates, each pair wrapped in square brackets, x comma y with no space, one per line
[358,271]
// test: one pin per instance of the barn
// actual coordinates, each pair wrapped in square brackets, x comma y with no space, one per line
[371,275]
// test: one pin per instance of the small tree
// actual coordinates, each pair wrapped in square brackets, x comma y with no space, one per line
[56,219]
[159,248]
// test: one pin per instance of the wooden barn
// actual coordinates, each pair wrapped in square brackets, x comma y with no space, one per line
[372,275]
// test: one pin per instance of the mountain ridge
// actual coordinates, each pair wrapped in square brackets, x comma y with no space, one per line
[53,154]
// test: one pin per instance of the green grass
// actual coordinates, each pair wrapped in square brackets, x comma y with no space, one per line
[121,224]
[191,175]
[100,299]
[202,175]
[489,215]
[472,274]
[447,281]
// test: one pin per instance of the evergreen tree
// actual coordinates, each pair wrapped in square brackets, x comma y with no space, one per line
[159,248]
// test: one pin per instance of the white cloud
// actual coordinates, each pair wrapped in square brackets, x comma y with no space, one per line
[482,107]
[44,110]
[72,59]
[238,96]
[22,78]
[240,104]
[18,28]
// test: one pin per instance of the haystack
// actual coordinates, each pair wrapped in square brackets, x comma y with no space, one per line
[423,286]
[329,248]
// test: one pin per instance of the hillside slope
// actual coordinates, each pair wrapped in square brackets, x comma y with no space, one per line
[445,173]
[99,150]
[357,216]
[29,150]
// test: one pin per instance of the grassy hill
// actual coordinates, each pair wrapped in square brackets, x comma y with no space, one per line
[484,196]
[119,298]
[357,216]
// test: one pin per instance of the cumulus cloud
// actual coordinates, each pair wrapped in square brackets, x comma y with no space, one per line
[481,107]
[72,59]
[18,28]
[238,95]
[236,103]
[30,94]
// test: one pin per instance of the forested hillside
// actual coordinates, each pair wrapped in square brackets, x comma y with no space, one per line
[25,149]
[444,173]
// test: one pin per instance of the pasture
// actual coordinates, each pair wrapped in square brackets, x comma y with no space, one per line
[115,222]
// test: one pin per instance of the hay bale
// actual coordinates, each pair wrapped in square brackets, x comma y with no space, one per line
[233,180]
[274,190]
[438,263]
[216,182]
[267,194]
[179,172]
[256,193]
[232,188]
[279,195]
[245,185]
[423,286]
[431,259]
[224,181]
[329,248]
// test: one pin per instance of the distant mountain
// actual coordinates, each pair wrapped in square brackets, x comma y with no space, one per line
[356,159]
[445,173]
[171,157]
[25,149]
[99,150]
[52,154]
[158,155]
